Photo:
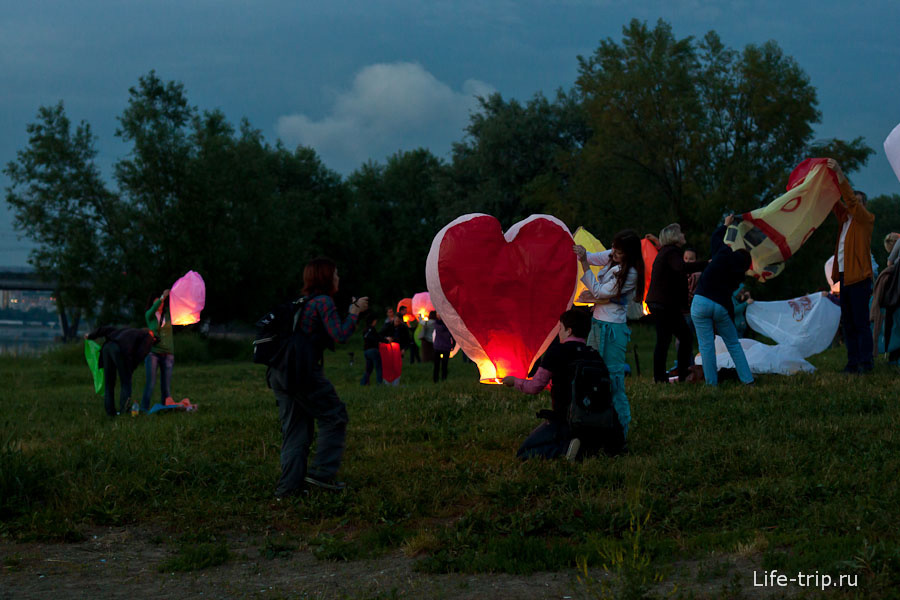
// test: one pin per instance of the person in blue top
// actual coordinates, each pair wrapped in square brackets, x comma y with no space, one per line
[712,309]
[318,402]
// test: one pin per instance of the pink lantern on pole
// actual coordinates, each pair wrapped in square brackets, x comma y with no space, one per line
[187,297]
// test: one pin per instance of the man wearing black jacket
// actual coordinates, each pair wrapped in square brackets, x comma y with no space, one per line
[123,350]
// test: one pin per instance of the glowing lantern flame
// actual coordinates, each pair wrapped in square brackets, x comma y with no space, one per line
[422,306]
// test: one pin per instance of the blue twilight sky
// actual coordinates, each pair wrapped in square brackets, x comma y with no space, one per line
[360,80]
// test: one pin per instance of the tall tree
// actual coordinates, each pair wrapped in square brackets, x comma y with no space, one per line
[59,200]
[509,164]
[153,178]
[685,131]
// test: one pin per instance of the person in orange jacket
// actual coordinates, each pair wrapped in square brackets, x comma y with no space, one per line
[852,267]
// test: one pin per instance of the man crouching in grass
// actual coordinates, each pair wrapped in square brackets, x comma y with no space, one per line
[560,367]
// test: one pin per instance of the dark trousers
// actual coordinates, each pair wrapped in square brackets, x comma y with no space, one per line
[669,322]
[441,360]
[165,363]
[298,413]
[414,353]
[373,361]
[113,364]
[855,323]
[548,440]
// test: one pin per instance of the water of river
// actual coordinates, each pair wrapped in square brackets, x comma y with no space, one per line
[27,340]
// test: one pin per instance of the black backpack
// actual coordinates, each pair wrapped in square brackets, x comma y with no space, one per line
[592,417]
[282,346]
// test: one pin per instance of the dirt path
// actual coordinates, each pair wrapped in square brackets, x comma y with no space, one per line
[122,563]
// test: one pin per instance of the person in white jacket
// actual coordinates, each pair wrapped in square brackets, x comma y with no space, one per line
[620,282]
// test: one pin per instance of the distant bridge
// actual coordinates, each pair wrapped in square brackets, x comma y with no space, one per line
[25,281]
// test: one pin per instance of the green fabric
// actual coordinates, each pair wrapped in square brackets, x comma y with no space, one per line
[166,343]
[92,355]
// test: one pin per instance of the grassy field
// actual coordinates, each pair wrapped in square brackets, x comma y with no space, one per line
[795,473]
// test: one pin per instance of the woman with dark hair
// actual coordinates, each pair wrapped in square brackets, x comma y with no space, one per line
[162,356]
[713,310]
[667,300]
[617,285]
[317,401]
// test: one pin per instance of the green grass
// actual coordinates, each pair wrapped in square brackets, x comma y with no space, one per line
[798,473]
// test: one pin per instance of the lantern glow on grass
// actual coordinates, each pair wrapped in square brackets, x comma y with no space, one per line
[501,295]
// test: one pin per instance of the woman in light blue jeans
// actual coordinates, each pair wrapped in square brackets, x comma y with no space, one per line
[712,310]
[709,318]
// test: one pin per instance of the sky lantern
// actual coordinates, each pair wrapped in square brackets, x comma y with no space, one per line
[501,294]
[187,297]
[892,150]
[408,316]
[422,306]
[648,254]
[583,237]
[775,232]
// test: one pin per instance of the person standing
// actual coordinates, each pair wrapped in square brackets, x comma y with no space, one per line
[317,403]
[427,339]
[617,285]
[371,339]
[162,355]
[667,300]
[443,344]
[852,268]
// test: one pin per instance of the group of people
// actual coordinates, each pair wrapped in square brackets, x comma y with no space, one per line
[406,330]
[685,296]
[125,348]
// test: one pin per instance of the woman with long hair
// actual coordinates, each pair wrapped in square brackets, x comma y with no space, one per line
[618,284]
[317,401]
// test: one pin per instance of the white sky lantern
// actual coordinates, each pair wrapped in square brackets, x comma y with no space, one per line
[892,150]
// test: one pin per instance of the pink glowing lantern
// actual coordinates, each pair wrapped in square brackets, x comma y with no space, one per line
[187,297]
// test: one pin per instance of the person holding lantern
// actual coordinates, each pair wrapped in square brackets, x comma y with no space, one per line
[162,356]
[318,402]
[553,437]
[616,286]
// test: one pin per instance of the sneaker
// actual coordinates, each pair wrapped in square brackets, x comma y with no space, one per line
[332,485]
[572,452]
[135,409]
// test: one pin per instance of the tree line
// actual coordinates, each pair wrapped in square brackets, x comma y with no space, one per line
[654,130]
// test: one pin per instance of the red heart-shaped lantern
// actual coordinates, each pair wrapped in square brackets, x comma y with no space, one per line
[501,296]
